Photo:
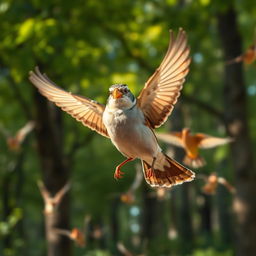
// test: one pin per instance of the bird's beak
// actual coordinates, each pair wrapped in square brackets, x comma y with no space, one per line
[117,94]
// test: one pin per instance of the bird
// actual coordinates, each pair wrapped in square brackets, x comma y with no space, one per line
[51,203]
[74,234]
[248,57]
[130,121]
[191,144]
[212,181]
[14,142]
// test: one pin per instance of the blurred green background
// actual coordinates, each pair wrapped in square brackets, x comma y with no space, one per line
[85,46]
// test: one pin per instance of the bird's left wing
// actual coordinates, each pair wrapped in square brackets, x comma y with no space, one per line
[87,111]
[170,138]
[162,89]
[206,141]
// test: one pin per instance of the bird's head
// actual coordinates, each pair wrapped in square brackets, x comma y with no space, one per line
[121,97]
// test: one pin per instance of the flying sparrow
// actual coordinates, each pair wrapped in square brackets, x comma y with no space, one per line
[191,144]
[14,142]
[248,57]
[212,181]
[75,234]
[129,121]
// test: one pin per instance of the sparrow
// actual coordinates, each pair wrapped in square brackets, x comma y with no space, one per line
[52,202]
[129,121]
[191,144]
[14,142]
[248,57]
[75,234]
[212,181]
[123,250]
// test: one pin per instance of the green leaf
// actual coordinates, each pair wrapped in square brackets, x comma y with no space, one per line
[25,30]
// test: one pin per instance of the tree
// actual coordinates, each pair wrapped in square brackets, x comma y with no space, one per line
[237,126]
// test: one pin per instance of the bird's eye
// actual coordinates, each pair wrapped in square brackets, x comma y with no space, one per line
[125,90]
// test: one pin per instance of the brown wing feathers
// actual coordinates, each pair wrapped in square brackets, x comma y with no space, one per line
[171,138]
[87,111]
[162,89]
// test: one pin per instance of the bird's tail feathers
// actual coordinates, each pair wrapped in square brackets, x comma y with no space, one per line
[166,174]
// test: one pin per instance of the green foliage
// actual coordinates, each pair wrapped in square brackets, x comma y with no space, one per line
[97,253]
[211,252]
[8,226]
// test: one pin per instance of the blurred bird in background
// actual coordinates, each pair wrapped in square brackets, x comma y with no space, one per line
[75,234]
[191,144]
[52,202]
[15,141]
[129,121]
[248,57]
[212,181]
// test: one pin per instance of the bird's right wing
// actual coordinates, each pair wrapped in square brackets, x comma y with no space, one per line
[170,138]
[87,111]
[206,141]
[162,89]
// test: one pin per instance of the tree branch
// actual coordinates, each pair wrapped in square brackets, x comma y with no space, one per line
[204,106]
[77,144]
[19,97]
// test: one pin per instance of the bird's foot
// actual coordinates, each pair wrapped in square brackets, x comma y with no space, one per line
[150,172]
[118,174]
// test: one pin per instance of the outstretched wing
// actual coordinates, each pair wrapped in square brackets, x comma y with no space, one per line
[87,111]
[162,89]
[173,138]
[206,141]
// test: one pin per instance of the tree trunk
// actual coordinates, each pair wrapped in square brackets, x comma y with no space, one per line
[6,207]
[237,127]
[114,222]
[224,216]
[54,170]
[149,215]
[183,208]
[9,196]
[224,210]
[206,215]
[152,222]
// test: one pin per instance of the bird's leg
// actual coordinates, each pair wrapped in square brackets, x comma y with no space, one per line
[118,174]
[151,170]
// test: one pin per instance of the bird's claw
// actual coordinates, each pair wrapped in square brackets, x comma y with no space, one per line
[149,173]
[118,174]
